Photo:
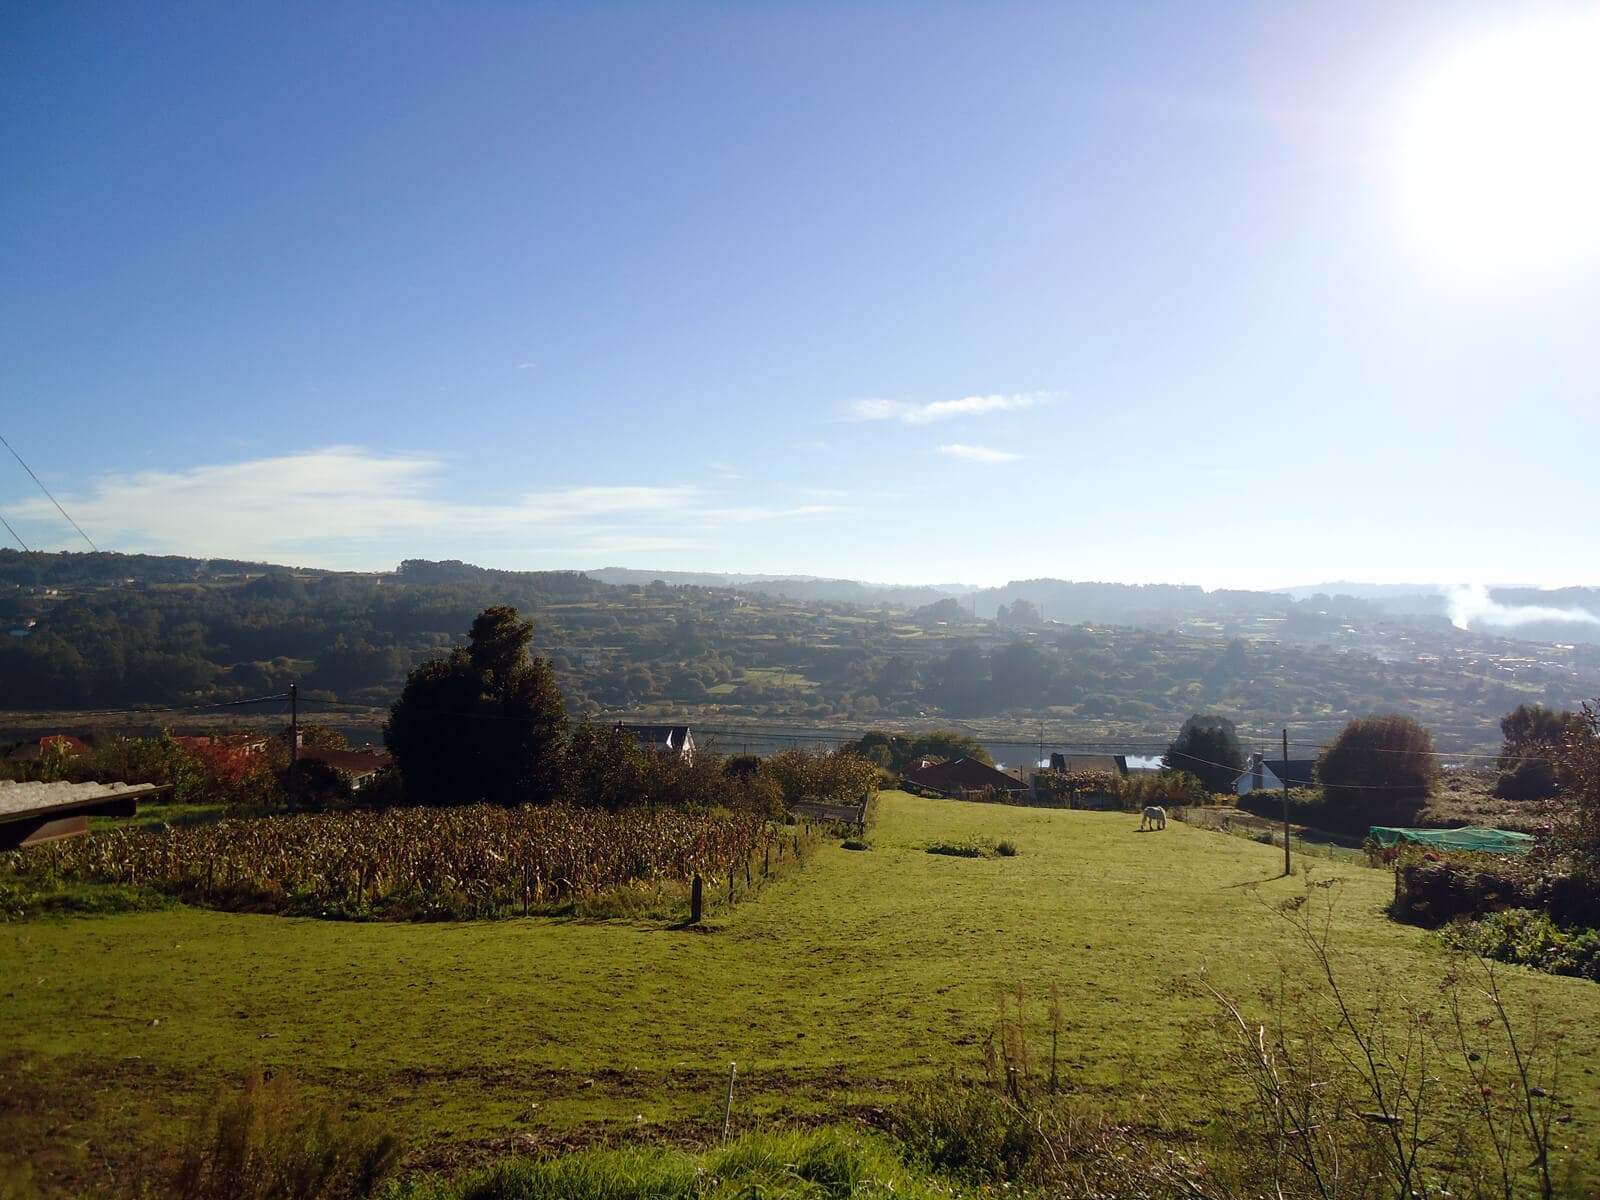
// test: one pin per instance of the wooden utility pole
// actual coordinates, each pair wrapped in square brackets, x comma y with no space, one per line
[1286,803]
[294,727]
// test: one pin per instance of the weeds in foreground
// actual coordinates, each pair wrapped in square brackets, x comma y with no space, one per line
[1390,1095]
[1346,1098]
[269,1142]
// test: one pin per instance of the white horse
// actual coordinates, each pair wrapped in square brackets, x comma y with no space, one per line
[1155,817]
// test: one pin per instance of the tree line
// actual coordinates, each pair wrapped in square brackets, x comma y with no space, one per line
[126,631]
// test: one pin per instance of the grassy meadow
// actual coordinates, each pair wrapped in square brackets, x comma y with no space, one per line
[833,989]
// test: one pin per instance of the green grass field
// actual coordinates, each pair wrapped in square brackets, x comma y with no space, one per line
[830,991]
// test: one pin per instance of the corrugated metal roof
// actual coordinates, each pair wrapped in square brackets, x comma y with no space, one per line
[21,800]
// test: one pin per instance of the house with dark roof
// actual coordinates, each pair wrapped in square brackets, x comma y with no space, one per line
[359,767]
[963,775]
[1262,773]
[1110,764]
[676,741]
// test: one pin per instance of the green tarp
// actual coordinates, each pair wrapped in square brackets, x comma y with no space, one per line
[1473,837]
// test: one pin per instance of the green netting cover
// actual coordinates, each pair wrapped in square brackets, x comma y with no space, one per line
[1473,837]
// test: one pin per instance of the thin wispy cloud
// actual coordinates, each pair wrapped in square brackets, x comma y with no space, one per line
[346,506]
[759,513]
[978,454]
[942,410]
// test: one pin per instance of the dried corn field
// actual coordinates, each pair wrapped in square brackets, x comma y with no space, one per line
[472,861]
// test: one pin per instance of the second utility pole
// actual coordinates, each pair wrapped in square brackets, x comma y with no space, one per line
[1286,803]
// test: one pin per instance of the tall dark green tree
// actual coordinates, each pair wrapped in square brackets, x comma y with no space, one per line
[486,724]
[1378,769]
[1533,736]
[1208,748]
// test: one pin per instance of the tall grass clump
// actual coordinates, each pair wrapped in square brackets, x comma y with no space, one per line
[269,1142]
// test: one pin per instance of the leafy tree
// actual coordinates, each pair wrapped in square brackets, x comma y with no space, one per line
[962,686]
[948,744]
[1576,832]
[893,751]
[1018,672]
[485,724]
[1378,768]
[1021,614]
[1531,729]
[1207,747]
[836,778]
[877,747]
[947,611]
[673,781]
[750,787]
[229,773]
[605,767]
[1533,737]
[314,786]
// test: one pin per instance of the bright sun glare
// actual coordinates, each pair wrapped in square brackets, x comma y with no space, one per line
[1499,154]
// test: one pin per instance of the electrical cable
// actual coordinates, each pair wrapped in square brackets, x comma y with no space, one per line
[46,491]
[15,534]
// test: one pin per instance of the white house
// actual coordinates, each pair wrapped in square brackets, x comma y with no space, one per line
[1269,773]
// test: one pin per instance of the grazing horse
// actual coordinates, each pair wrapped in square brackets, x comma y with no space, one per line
[1155,817]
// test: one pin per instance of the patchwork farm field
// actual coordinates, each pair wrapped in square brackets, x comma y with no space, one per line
[832,990]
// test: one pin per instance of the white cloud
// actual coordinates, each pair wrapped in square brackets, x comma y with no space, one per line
[942,410]
[770,514]
[346,506]
[979,454]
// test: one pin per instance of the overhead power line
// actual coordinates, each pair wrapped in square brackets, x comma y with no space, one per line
[46,491]
[14,533]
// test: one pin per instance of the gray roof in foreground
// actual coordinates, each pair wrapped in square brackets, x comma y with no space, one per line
[21,800]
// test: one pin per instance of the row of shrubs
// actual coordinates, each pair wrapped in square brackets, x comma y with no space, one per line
[1532,939]
[1433,889]
[1507,909]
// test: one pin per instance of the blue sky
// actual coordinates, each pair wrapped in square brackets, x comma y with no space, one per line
[1146,292]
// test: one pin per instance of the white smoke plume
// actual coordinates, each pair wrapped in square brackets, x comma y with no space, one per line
[1470,603]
